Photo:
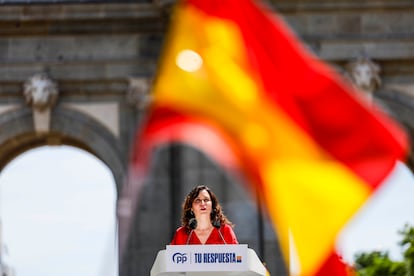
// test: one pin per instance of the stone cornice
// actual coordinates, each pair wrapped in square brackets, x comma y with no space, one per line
[70,19]
[86,11]
[290,6]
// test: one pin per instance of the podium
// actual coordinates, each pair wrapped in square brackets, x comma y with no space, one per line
[203,260]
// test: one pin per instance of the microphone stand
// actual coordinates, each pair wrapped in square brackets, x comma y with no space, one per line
[189,237]
[224,241]
[217,225]
[193,225]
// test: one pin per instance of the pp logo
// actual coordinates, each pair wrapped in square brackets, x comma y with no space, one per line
[179,258]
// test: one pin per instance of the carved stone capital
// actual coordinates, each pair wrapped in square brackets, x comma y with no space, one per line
[40,92]
[138,92]
[364,74]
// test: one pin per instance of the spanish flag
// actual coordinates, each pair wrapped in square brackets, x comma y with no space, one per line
[236,83]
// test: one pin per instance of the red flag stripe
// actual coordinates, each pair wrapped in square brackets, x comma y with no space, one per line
[313,102]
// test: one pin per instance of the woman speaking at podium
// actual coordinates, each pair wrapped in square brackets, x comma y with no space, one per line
[203,221]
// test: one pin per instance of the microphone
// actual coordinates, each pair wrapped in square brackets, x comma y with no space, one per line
[193,225]
[217,225]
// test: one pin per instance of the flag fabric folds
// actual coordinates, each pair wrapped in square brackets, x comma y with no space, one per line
[236,83]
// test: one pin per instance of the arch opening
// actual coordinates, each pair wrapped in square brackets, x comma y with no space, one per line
[58,213]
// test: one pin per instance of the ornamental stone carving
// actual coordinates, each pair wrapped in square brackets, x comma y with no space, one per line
[40,92]
[364,74]
[138,93]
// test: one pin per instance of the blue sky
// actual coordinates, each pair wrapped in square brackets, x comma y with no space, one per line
[58,215]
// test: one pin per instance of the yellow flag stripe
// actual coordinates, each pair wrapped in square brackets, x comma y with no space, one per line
[299,177]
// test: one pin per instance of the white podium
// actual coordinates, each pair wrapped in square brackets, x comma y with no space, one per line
[202,260]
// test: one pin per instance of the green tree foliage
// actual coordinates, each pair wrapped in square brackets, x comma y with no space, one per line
[407,244]
[378,263]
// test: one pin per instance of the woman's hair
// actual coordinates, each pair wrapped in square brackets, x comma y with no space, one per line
[217,216]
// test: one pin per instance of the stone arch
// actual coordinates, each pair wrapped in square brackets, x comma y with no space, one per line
[68,127]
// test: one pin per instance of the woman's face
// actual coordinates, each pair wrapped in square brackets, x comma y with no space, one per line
[202,204]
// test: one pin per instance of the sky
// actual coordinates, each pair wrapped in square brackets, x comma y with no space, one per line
[376,225]
[58,215]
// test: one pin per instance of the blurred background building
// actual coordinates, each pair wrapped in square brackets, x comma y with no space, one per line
[78,73]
